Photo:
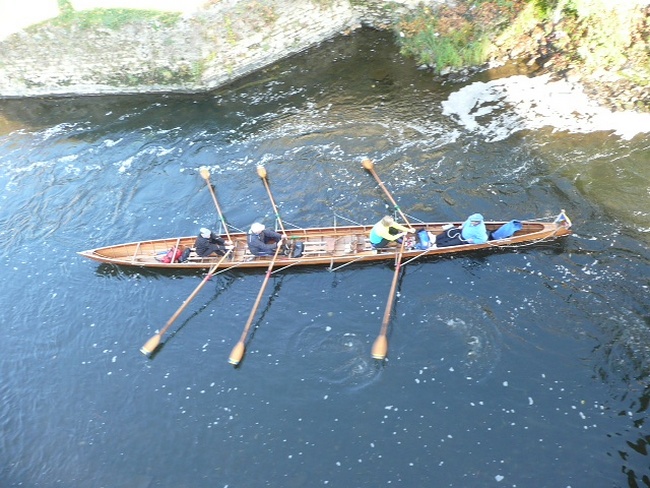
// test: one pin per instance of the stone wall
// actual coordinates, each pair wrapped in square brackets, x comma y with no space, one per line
[205,49]
[211,44]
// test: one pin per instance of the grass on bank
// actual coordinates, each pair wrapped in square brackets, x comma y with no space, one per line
[113,18]
[454,37]
[593,32]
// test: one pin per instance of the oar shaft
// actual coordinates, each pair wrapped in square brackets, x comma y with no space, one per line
[392,200]
[258,299]
[154,341]
[216,204]
[275,207]
[369,165]
[391,294]
[205,174]
[194,293]
[188,300]
[380,346]
[238,351]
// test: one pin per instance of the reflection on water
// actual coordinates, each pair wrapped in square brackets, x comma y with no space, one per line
[501,367]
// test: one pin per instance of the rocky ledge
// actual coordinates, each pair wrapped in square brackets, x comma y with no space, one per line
[604,47]
[114,52]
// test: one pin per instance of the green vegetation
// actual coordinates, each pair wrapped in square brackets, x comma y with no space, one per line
[606,36]
[157,76]
[65,6]
[108,18]
[458,48]
[456,37]
[324,3]
[231,34]
[266,12]
[591,33]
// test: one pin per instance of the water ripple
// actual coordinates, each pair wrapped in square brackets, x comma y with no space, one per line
[335,358]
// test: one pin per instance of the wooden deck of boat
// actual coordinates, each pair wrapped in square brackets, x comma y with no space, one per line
[331,246]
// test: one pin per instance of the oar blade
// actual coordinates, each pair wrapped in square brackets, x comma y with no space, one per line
[151,345]
[261,171]
[205,173]
[380,347]
[367,164]
[237,353]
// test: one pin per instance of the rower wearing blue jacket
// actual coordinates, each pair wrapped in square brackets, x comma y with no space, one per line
[473,230]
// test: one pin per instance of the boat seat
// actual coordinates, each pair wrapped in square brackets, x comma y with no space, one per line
[195,258]
[326,246]
[248,256]
[310,248]
[313,247]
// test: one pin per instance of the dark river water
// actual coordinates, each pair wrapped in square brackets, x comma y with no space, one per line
[520,368]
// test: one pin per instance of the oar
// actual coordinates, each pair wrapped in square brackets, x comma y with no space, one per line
[370,166]
[238,351]
[380,345]
[151,345]
[205,174]
[261,171]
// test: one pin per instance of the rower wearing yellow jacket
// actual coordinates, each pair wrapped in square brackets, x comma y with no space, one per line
[386,231]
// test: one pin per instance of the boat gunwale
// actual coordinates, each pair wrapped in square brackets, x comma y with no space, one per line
[538,231]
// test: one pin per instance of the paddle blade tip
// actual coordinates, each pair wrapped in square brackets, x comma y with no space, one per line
[261,171]
[367,163]
[236,354]
[380,347]
[151,345]
[205,173]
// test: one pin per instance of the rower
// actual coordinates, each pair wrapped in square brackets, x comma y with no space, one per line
[262,241]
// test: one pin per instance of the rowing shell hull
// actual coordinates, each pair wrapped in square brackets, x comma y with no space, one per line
[334,247]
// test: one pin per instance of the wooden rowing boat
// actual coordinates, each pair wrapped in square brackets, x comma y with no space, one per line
[334,247]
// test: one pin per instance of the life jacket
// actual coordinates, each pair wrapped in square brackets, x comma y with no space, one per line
[174,254]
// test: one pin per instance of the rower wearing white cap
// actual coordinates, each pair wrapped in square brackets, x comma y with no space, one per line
[207,243]
[262,241]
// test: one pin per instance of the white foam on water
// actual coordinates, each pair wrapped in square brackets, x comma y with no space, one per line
[499,108]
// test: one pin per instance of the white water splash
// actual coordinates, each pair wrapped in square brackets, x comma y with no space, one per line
[499,108]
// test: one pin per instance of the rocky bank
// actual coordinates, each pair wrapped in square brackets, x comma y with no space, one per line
[119,51]
[126,52]
[194,52]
